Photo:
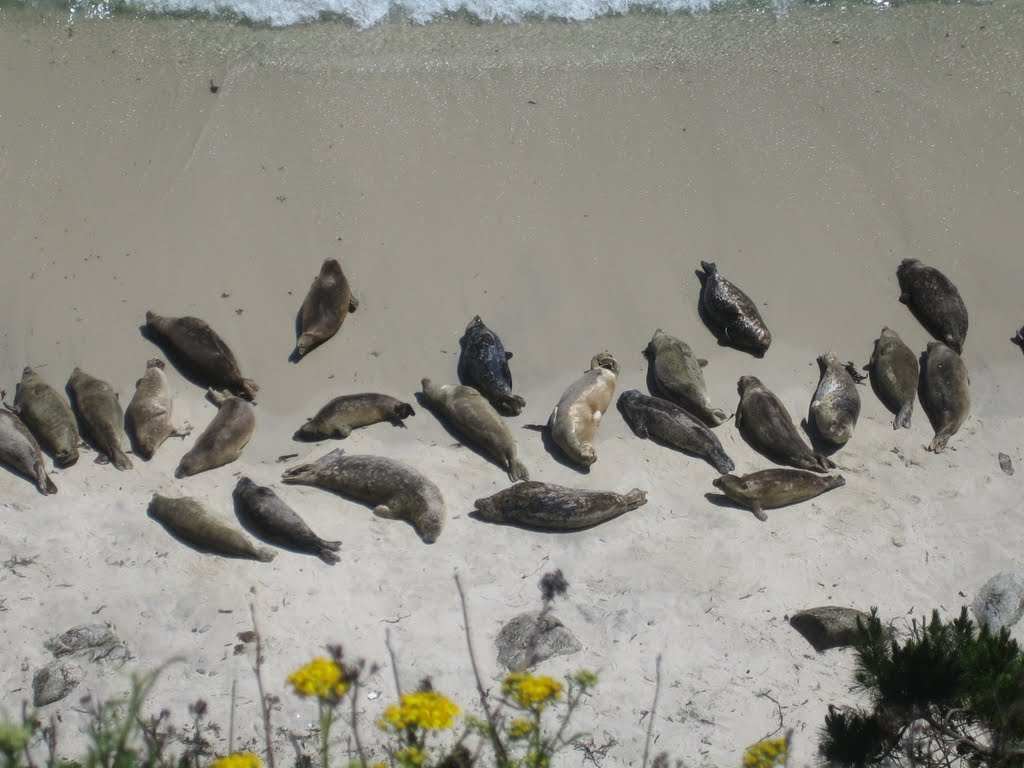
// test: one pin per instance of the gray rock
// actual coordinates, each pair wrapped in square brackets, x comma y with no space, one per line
[1000,603]
[530,638]
[95,642]
[1005,464]
[830,626]
[55,681]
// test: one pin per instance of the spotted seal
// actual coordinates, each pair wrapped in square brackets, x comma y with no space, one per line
[224,437]
[733,316]
[148,417]
[934,301]
[773,488]
[102,419]
[945,393]
[398,491]
[895,372]
[341,415]
[665,421]
[20,451]
[677,372]
[835,406]
[188,520]
[575,420]
[325,307]
[48,416]
[555,507]
[483,365]
[266,516]
[766,424]
[195,347]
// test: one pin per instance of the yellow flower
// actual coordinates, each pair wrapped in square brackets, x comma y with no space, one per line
[520,729]
[423,709]
[321,678]
[237,760]
[531,691]
[769,753]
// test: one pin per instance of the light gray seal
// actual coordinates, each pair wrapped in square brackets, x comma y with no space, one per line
[733,315]
[679,377]
[895,373]
[189,521]
[766,424]
[101,416]
[397,491]
[835,406]
[945,393]
[20,451]
[577,416]
[667,422]
[48,416]
[224,437]
[193,346]
[472,417]
[934,301]
[148,417]
[341,415]
[325,307]
[264,515]
[484,366]
[555,507]
[773,488]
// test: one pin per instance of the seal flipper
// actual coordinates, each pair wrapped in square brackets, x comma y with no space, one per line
[325,551]
[517,471]
[353,304]
[903,417]
[758,512]
[383,510]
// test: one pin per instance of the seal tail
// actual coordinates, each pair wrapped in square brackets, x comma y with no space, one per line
[304,474]
[634,499]
[249,389]
[517,471]
[45,485]
[119,459]
[938,444]
[716,416]
[709,268]
[903,417]
[509,404]
[325,550]
[263,554]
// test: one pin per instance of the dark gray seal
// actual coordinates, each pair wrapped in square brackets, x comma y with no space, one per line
[484,366]
[325,308]
[472,417]
[773,488]
[733,315]
[555,507]
[945,393]
[102,419]
[341,415]
[224,437]
[196,348]
[835,406]
[667,422]
[188,520]
[679,377]
[20,451]
[264,515]
[48,416]
[148,417]
[398,491]
[766,424]
[934,301]
[895,373]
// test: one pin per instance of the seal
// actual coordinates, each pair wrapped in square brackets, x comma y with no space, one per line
[576,418]
[341,415]
[102,419]
[555,507]
[734,317]
[20,451]
[894,376]
[195,347]
[934,301]
[325,308]
[148,417]
[483,365]
[679,377]
[189,521]
[774,488]
[472,417]
[397,491]
[945,393]
[224,437]
[835,406]
[767,426]
[667,422]
[265,516]
[48,416]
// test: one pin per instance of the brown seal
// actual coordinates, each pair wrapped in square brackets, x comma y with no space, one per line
[48,416]
[148,417]
[934,301]
[101,416]
[325,308]
[773,488]
[576,418]
[188,520]
[341,415]
[195,347]
[895,373]
[20,451]
[835,406]
[766,424]
[677,372]
[732,314]
[555,507]
[264,515]
[945,393]
[224,437]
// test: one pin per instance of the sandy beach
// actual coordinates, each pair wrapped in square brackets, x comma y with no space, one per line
[563,181]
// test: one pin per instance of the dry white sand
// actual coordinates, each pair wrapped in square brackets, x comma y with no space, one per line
[563,181]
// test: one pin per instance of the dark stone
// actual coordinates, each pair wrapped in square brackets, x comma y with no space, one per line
[1000,603]
[95,642]
[531,638]
[829,626]
[1005,464]
[55,681]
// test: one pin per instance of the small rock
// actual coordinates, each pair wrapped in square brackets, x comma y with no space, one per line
[531,638]
[96,642]
[1000,603]
[55,681]
[830,626]
[1005,464]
